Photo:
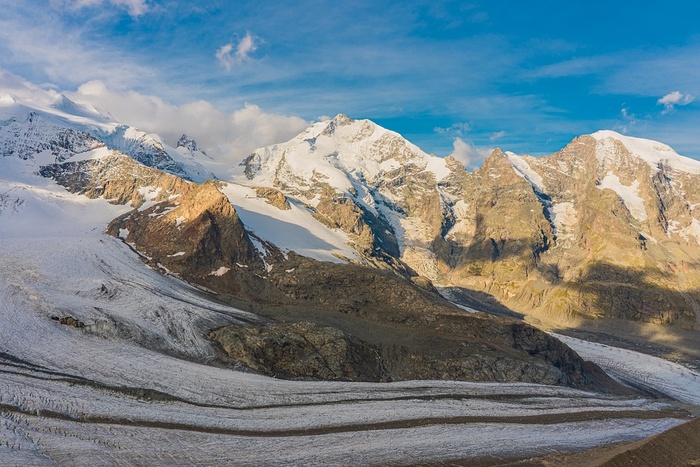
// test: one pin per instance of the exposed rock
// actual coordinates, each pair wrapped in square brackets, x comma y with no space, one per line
[190,228]
[418,334]
[69,321]
[273,197]
[26,139]
[301,351]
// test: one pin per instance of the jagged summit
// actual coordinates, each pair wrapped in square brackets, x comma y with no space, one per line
[363,179]
[337,152]
[188,143]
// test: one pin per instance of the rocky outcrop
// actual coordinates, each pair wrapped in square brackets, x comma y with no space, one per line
[416,333]
[117,178]
[69,321]
[198,232]
[301,351]
[274,197]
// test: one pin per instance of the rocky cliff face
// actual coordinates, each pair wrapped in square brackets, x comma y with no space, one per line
[609,225]
[177,225]
[370,182]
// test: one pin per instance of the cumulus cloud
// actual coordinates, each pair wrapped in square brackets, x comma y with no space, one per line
[467,153]
[229,54]
[672,99]
[227,137]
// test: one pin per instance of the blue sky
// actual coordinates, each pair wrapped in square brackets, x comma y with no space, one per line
[465,76]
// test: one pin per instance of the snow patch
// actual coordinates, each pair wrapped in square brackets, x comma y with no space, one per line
[220,272]
[564,217]
[174,255]
[522,168]
[124,233]
[628,194]
[693,230]
[672,379]
[438,166]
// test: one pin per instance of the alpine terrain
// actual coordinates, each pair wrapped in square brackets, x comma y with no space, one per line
[339,298]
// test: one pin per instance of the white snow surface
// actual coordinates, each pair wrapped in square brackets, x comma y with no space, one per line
[629,195]
[564,217]
[294,229]
[652,152]
[657,374]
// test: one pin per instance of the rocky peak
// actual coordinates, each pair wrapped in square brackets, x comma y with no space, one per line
[338,121]
[188,143]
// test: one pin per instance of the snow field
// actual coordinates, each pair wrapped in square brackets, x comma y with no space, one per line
[663,376]
[290,230]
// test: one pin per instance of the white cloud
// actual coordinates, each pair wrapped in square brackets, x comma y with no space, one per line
[229,55]
[672,99]
[135,8]
[497,135]
[18,87]
[627,122]
[227,137]
[468,154]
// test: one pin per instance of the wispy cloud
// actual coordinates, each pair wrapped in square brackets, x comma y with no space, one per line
[672,99]
[38,42]
[458,129]
[579,66]
[135,8]
[497,135]
[231,54]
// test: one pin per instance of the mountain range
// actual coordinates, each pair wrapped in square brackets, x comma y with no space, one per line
[347,253]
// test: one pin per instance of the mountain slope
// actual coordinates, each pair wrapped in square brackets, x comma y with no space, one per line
[138,382]
[383,191]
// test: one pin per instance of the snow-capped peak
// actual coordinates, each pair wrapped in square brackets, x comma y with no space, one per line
[52,127]
[650,151]
[337,152]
